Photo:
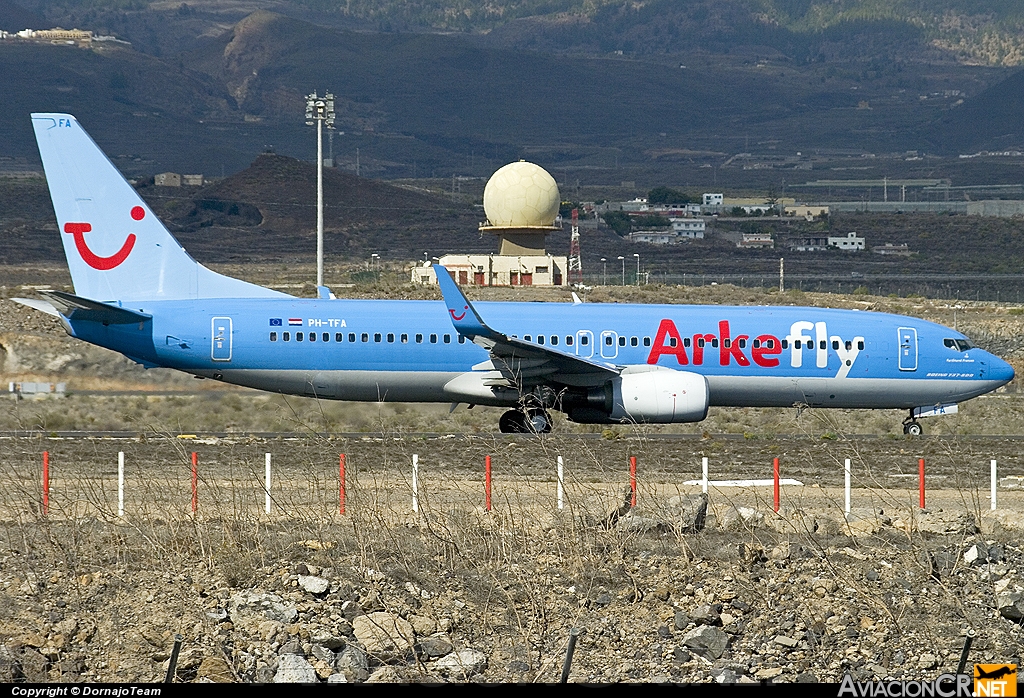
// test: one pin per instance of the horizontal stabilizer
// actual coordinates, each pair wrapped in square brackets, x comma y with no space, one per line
[78,308]
[40,305]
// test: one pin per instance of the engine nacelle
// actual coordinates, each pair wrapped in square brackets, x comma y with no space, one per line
[659,395]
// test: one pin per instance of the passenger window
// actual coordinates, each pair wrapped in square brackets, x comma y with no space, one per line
[835,344]
[312,336]
[405,338]
[462,340]
[447,339]
[528,337]
[433,339]
[298,336]
[757,344]
[339,337]
[273,336]
[727,342]
[327,337]
[286,336]
[742,343]
[419,339]
[585,340]
[540,339]
[672,341]
[860,346]
[686,342]
[785,344]
[633,342]
[554,339]
[714,342]
[771,344]
[351,337]
[798,344]
[821,344]
[391,337]
[700,342]
[608,340]
[365,337]
[377,336]
[568,340]
[849,345]
[622,341]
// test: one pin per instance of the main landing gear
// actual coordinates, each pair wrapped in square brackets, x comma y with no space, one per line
[533,421]
[911,426]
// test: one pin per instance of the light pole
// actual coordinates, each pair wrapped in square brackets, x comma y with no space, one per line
[623,260]
[375,258]
[320,109]
[604,272]
[637,268]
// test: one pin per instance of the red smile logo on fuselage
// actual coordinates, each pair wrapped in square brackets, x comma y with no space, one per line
[91,258]
[458,317]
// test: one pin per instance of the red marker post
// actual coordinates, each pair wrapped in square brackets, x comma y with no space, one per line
[632,480]
[341,484]
[920,480]
[46,482]
[487,483]
[195,482]
[775,467]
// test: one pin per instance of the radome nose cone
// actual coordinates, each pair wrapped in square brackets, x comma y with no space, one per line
[1000,371]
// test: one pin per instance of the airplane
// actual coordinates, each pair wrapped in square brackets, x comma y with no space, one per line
[138,292]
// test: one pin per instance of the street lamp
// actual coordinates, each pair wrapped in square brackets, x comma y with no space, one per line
[320,110]
[637,268]
[604,273]
[623,260]
[375,258]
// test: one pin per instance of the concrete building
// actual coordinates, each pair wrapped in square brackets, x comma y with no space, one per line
[692,228]
[850,242]
[900,250]
[756,240]
[654,237]
[167,179]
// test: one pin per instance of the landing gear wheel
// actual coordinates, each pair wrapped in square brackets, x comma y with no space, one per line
[913,429]
[539,421]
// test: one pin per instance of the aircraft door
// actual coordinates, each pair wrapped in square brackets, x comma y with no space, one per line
[221,342]
[609,344]
[585,344]
[908,348]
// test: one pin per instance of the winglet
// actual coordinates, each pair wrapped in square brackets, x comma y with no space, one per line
[465,319]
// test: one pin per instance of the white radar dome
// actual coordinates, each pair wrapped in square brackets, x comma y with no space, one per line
[521,195]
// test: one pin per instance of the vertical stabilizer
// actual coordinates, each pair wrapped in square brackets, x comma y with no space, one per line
[116,248]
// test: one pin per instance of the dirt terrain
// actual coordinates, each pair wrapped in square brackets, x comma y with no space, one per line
[453,592]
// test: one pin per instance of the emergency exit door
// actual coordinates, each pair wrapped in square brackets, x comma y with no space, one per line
[908,348]
[221,342]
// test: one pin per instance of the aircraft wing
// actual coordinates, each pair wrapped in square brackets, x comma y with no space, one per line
[521,363]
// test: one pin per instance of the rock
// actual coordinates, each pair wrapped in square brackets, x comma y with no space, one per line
[740,519]
[786,641]
[705,614]
[269,606]
[688,514]
[1011,606]
[337,678]
[435,646]
[681,620]
[292,647]
[383,635]
[462,664]
[291,668]
[707,641]
[216,670]
[10,666]
[328,640]
[317,586]
[353,663]
[385,674]
[422,625]
[866,521]
[946,522]
[635,523]
[977,553]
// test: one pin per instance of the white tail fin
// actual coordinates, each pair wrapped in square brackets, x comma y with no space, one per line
[116,248]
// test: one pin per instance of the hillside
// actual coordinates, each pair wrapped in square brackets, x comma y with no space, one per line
[268,211]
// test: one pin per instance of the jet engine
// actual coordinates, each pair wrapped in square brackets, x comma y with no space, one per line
[649,394]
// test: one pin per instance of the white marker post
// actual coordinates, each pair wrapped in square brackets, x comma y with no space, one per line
[994,481]
[704,474]
[561,481]
[120,483]
[415,482]
[266,483]
[847,472]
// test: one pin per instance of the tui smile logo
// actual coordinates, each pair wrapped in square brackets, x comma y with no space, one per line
[458,317]
[78,230]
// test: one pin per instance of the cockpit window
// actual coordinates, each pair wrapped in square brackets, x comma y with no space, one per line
[958,344]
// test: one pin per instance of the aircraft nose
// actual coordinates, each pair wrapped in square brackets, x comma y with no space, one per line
[1000,371]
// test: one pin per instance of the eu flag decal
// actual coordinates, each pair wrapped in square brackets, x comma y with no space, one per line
[275,322]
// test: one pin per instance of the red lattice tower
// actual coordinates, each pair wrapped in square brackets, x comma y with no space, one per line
[575,275]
